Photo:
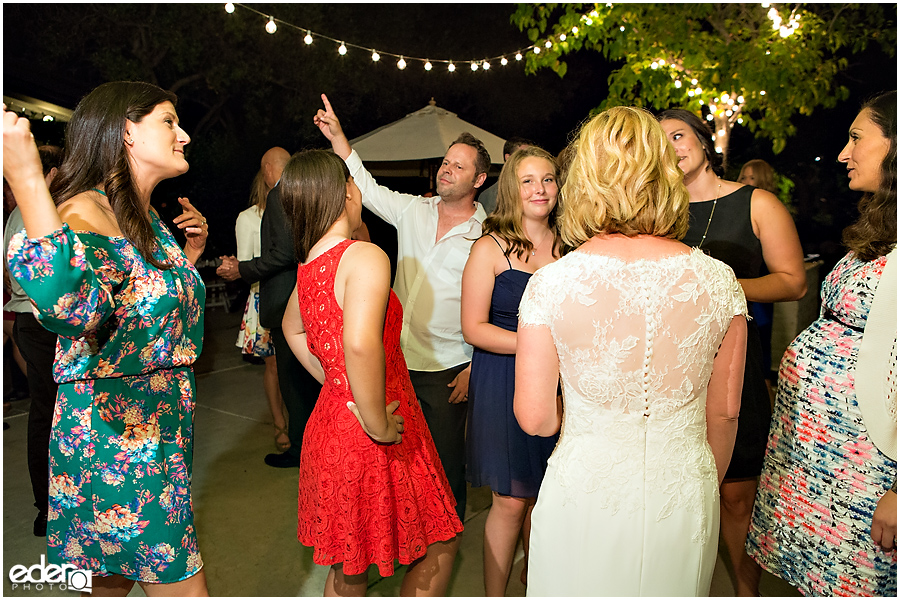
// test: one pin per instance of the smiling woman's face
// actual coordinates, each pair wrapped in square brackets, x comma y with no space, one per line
[864,153]
[156,143]
[691,157]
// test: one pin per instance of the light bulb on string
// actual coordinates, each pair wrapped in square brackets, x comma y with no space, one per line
[537,50]
[451,67]
[710,117]
[485,65]
[271,27]
[229,8]
[428,65]
[548,44]
[401,64]
[622,28]
[693,82]
[343,49]
[654,65]
[562,37]
[678,83]
[474,66]
[518,56]
[375,56]
[308,38]
[503,61]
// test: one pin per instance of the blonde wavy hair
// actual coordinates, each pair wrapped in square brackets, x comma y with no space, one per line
[623,178]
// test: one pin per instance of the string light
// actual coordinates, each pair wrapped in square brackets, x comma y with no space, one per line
[678,83]
[271,27]
[562,37]
[548,44]
[401,64]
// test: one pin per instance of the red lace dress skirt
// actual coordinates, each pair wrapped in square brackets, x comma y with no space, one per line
[361,502]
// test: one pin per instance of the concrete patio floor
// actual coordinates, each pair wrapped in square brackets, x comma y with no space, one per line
[245,511]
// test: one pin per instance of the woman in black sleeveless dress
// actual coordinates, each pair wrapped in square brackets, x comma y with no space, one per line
[753,233]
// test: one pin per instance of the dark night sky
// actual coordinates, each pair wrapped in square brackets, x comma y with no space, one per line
[365,95]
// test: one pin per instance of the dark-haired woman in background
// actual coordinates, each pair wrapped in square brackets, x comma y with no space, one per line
[747,229]
[107,276]
[372,489]
[825,518]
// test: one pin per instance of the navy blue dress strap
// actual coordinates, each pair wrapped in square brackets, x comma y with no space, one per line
[501,248]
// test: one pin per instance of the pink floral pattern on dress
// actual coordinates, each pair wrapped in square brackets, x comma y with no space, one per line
[121,446]
[822,476]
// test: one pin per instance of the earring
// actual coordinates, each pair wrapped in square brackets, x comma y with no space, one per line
[131,141]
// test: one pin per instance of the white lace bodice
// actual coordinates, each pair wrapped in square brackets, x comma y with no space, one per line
[636,343]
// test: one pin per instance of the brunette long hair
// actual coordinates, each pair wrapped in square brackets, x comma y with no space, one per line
[874,234]
[313,191]
[95,156]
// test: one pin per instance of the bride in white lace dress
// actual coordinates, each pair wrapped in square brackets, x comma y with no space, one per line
[648,337]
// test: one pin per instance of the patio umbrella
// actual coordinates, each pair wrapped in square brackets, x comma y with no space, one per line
[405,147]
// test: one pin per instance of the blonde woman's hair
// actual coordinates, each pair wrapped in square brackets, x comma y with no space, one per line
[259,192]
[506,219]
[623,178]
[764,173]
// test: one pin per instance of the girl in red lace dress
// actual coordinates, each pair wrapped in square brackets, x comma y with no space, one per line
[372,489]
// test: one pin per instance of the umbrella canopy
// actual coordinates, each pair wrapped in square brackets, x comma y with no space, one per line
[424,134]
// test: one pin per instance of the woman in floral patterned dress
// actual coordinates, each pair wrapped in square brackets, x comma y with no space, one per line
[825,517]
[108,277]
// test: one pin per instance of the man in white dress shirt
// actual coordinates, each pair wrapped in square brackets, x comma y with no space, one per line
[434,236]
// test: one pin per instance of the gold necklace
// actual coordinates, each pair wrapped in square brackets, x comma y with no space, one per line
[711,213]
[533,247]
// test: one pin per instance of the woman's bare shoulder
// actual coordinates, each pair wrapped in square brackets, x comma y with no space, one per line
[83,212]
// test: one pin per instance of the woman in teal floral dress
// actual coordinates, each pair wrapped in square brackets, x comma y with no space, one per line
[108,277]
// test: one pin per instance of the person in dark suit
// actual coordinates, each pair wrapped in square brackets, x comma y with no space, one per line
[276,270]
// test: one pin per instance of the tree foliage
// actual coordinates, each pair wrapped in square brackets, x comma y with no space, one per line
[751,64]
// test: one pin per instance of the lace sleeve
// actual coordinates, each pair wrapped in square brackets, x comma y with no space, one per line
[533,308]
[738,299]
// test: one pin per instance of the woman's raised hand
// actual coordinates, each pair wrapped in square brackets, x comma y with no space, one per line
[21,162]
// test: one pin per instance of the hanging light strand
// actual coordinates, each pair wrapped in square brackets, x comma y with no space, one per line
[402,59]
